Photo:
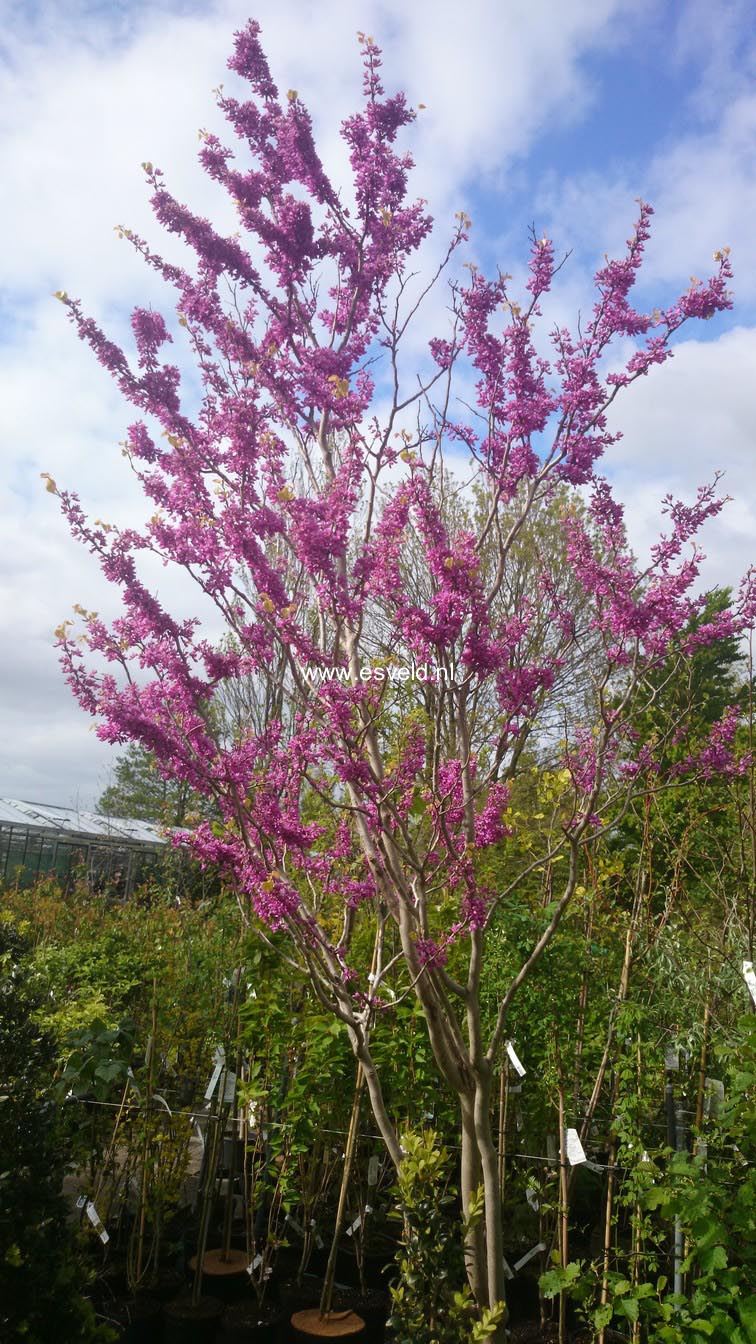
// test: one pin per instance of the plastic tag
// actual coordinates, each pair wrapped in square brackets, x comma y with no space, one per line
[575,1151]
[532,1199]
[594,1166]
[254,1264]
[529,1255]
[671,1058]
[81,1201]
[516,1063]
[294,1225]
[229,1091]
[373,1168]
[507,1268]
[357,1222]
[749,975]
[214,1077]
[96,1222]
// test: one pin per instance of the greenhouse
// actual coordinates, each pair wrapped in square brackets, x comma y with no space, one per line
[112,852]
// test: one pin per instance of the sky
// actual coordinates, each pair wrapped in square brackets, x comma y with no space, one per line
[555,115]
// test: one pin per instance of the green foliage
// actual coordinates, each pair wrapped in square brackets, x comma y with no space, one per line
[41,1280]
[432,1303]
[301,1081]
[98,1061]
[711,1194]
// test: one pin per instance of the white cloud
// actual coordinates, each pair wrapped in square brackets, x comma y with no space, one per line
[686,421]
[702,188]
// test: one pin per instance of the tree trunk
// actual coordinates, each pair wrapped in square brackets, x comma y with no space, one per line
[471,1174]
[494,1246]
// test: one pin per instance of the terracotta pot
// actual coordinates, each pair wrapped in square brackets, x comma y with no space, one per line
[309,1324]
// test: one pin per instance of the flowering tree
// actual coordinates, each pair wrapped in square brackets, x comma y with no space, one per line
[293,504]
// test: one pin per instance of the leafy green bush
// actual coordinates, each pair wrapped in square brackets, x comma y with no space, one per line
[432,1303]
[711,1193]
[41,1280]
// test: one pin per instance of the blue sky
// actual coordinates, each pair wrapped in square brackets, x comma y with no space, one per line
[560,114]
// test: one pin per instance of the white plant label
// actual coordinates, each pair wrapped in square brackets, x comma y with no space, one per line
[532,1199]
[529,1255]
[229,1091]
[254,1264]
[575,1151]
[214,1077]
[507,1268]
[373,1167]
[96,1222]
[516,1063]
[81,1201]
[594,1166]
[294,1225]
[671,1058]
[749,975]
[357,1223]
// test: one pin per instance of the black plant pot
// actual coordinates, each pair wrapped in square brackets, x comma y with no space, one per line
[293,1296]
[139,1320]
[187,1324]
[379,1260]
[248,1323]
[167,1285]
[522,1294]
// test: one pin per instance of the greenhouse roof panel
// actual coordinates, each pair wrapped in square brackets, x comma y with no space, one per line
[77,821]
